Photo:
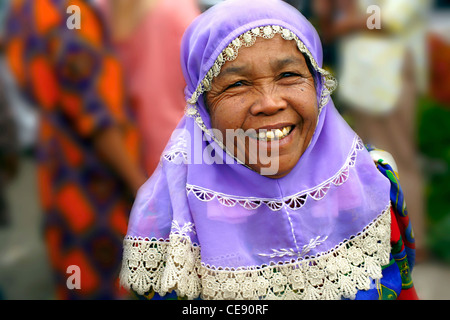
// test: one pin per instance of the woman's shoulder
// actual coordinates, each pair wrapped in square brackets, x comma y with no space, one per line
[382,157]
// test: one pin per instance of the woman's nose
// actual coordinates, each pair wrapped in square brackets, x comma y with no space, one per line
[268,103]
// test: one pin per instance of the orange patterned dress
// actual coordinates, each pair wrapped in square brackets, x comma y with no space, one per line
[75,80]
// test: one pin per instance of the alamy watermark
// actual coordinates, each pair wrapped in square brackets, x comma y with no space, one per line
[74,20]
[374,20]
[73,282]
[252,147]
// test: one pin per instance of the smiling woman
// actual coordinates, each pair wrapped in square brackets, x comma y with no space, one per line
[270,90]
[320,226]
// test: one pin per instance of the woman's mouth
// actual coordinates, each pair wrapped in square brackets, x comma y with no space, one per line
[270,135]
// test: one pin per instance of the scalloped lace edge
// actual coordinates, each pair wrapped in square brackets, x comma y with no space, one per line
[175,265]
[294,202]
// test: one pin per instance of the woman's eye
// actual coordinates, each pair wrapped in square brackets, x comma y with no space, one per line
[289,74]
[236,84]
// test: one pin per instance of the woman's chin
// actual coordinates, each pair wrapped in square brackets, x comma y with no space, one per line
[274,167]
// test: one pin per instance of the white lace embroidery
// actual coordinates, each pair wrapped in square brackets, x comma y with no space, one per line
[294,202]
[292,253]
[231,52]
[178,152]
[185,229]
[175,265]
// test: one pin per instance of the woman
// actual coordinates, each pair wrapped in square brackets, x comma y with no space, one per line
[88,147]
[305,216]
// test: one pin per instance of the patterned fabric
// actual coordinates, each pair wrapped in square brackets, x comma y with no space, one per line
[74,78]
[402,236]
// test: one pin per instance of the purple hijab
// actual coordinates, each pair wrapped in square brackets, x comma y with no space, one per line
[222,231]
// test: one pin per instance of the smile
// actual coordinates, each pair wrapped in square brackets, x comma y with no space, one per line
[270,135]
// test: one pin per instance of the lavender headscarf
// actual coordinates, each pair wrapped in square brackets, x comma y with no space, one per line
[222,231]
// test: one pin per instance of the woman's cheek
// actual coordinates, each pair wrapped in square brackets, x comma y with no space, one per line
[229,115]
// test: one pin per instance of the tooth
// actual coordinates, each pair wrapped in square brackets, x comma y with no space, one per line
[278,133]
[262,135]
[270,135]
[285,131]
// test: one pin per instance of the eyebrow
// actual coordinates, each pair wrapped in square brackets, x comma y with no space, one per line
[288,61]
[234,70]
[278,64]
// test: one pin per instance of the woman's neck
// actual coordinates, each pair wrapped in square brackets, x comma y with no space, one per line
[126,15]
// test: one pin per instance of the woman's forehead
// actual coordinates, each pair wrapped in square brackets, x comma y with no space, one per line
[276,51]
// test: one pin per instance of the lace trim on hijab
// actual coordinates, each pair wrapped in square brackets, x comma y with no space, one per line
[178,152]
[293,202]
[175,265]
[246,40]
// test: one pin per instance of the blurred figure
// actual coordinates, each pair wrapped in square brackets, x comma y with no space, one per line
[147,35]
[323,16]
[9,144]
[8,160]
[88,146]
[382,73]
[21,112]
[439,46]
[206,4]
[9,152]
[434,139]
[304,6]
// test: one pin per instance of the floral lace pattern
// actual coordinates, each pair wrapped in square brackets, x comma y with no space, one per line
[293,253]
[178,152]
[294,202]
[175,265]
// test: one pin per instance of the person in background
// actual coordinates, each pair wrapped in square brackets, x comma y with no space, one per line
[9,152]
[9,158]
[304,6]
[382,74]
[9,144]
[147,36]
[88,148]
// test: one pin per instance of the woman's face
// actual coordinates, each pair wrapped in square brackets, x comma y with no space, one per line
[268,92]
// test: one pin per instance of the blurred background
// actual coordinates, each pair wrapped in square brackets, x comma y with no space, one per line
[73,101]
